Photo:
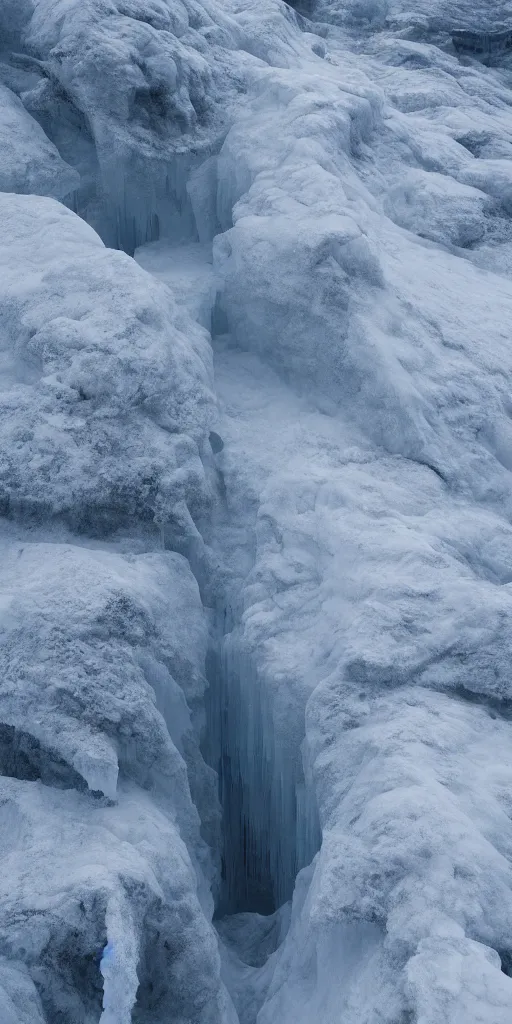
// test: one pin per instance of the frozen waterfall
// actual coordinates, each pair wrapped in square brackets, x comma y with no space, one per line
[270,821]
[255,511]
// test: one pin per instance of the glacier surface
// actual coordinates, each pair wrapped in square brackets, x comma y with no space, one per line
[256,501]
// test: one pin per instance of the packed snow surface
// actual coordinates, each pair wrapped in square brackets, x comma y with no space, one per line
[256,500]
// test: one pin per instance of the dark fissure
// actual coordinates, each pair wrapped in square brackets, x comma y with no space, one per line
[246,877]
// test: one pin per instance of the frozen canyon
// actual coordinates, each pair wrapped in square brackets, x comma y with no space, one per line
[256,513]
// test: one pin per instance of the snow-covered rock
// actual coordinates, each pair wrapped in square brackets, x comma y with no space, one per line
[29,161]
[105,401]
[101,605]
[135,95]
[96,739]
[127,97]
[99,903]
[437,207]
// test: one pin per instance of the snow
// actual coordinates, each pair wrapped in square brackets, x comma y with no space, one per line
[188,269]
[57,916]
[107,400]
[375,467]
[285,557]
[29,163]
[437,207]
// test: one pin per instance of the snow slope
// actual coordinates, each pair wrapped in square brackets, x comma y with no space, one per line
[292,569]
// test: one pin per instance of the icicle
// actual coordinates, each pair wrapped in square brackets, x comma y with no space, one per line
[142,203]
[270,818]
[119,964]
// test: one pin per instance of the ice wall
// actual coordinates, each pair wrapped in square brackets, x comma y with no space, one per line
[105,905]
[382,494]
[134,97]
[356,516]
[270,821]
[30,163]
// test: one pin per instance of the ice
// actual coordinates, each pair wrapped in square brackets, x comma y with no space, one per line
[108,395]
[14,17]
[80,632]
[83,585]
[376,475]
[136,96]
[436,207]
[439,13]
[188,270]
[366,13]
[103,638]
[258,754]
[139,89]
[19,1002]
[296,569]
[59,915]
[249,942]
[29,162]
[119,965]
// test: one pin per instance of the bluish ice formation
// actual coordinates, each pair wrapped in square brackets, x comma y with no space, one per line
[255,511]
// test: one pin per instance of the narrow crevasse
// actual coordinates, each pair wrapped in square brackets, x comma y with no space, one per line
[270,828]
[269,821]
[253,729]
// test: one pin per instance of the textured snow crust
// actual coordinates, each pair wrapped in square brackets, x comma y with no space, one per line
[106,883]
[357,515]
[137,95]
[376,465]
[106,400]
[29,163]
[102,650]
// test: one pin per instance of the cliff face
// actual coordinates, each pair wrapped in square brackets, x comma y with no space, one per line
[255,499]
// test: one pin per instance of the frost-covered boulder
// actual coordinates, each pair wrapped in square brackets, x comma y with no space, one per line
[99,910]
[105,400]
[124,64]
[282,186]
[29,162]
[63,709]
[102,679]
[126,91]
[437,207]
